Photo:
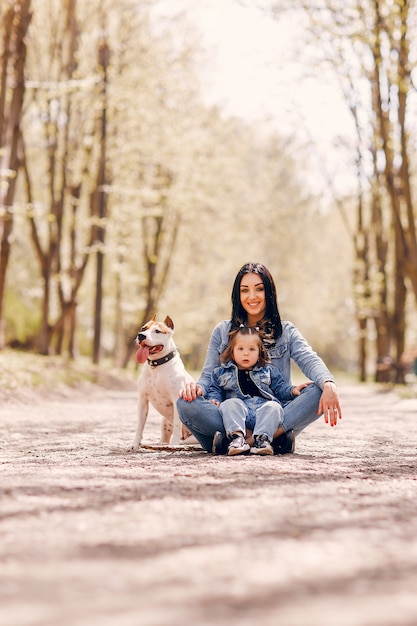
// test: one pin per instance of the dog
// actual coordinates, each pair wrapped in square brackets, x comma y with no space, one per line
[160,381]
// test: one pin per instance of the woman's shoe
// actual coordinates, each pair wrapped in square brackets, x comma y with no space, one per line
[220,443]
[285,443]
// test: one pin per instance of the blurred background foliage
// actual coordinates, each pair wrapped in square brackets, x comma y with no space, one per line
[123,194]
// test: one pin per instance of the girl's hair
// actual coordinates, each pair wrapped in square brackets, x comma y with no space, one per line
[227,354]
[270,326]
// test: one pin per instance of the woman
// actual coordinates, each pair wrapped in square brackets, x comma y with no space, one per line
[254,303]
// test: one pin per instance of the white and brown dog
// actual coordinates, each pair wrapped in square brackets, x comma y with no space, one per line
[160,381]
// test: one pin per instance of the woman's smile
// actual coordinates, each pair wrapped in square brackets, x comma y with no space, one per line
[252,297]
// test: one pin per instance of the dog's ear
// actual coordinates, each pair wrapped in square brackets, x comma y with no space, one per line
[153,318]
[168,321]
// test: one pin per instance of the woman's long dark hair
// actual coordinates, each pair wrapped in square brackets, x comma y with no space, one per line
[270,326]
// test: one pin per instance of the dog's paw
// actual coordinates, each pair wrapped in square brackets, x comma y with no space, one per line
[134,447]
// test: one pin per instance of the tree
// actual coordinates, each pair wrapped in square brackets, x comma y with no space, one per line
[99,200]
[16,18]
[370,47]
[186,194]
[64,228]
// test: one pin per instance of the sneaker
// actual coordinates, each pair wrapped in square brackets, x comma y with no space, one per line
[262,446]
[220,442]
[237,445]
[285,443]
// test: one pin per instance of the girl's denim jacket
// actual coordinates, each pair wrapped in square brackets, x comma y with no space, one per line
[290,346]
[268,379]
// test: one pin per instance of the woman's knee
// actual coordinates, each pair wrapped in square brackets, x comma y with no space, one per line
[313,391]
[185,410]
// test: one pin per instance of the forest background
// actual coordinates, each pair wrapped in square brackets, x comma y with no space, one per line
[124,194]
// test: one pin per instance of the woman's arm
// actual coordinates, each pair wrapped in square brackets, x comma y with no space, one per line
[314,368]
[214,392]
[191,390]
[329,404]
[309,362]
[218,341]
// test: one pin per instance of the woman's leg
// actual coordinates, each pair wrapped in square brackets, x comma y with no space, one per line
[302,411]
[202,418]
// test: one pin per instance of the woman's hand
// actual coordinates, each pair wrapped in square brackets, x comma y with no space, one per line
[190,391]
[329,404]
[298,389]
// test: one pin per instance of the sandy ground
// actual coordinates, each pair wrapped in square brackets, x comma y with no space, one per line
[91,534]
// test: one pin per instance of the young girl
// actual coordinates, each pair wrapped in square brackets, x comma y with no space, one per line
[247,390]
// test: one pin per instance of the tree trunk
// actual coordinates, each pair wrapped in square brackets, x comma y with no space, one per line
[362,349]
[14,29]
[101,196]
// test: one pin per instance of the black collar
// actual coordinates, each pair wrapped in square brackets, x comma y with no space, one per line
[162,360]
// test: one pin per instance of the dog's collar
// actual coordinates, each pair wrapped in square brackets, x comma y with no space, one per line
[162,360]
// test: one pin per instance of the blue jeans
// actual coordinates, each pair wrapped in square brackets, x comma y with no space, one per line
[203,419]
[257,414]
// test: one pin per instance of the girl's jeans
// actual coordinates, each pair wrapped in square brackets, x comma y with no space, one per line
[203,418]
[257,414]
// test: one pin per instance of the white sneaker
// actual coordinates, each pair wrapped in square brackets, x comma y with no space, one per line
[262,446]
[238,445]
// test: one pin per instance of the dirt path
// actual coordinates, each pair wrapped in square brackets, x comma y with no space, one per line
[92,535]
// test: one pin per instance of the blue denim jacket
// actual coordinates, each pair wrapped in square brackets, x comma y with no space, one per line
[268,379]
[291,345]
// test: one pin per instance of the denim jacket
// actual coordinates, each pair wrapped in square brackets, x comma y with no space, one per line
[268,379]
[291,345]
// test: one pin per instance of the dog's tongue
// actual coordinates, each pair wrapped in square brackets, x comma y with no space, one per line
[142,354]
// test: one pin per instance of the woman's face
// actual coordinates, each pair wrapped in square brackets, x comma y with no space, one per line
[252,297]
